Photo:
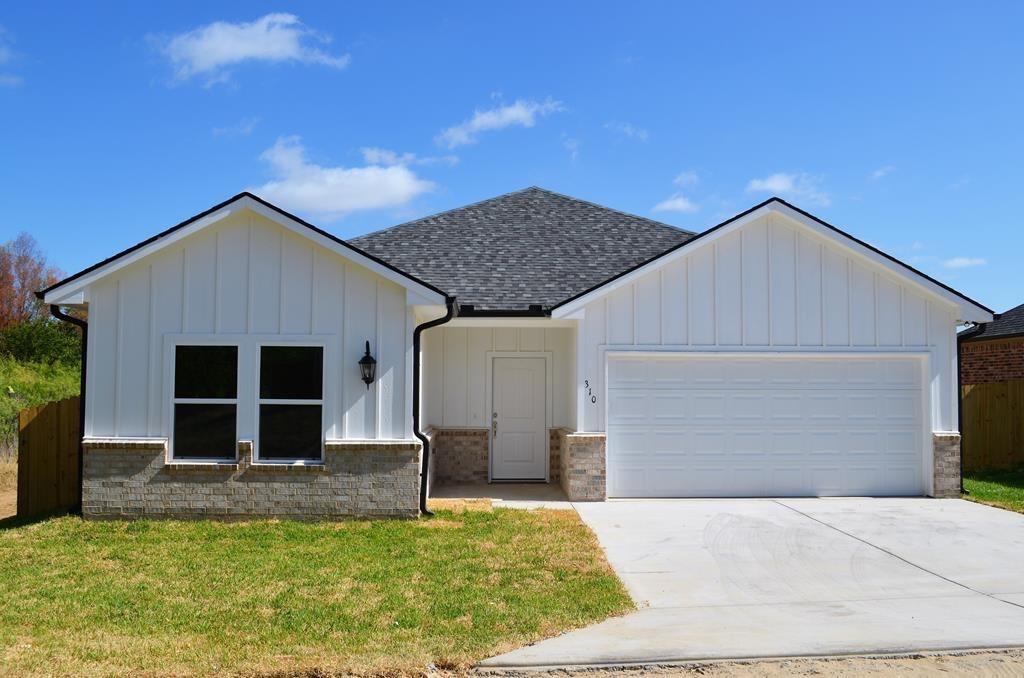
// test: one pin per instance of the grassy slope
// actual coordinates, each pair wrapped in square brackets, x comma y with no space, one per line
[204,597]
[1004,489]
[33,384]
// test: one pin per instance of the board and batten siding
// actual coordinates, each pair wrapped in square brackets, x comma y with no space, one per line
[455,369]
[247,276]
[771,286]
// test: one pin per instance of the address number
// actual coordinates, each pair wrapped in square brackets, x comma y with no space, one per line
[590,391]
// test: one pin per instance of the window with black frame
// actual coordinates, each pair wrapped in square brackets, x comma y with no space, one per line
[205,403]
[291,403]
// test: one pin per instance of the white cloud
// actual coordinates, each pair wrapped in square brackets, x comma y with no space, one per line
[677,203]
[332,192]
[522,113]
[571,145]
[687,179]
[242,128]
[803,187]
[383,156]
[6,57]
[881,172]
[963,262]
[628,130]
[212,49]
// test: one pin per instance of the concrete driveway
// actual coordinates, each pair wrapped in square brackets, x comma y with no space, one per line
[718,579]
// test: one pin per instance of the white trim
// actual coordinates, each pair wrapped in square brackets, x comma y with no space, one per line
[511,321]
[489,357]
[967,310]
[72,287]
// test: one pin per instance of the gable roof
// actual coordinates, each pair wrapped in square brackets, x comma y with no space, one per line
[60,292]
[1008,324]
[529,247]
[972,310]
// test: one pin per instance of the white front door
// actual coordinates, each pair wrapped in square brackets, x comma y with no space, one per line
[518,435]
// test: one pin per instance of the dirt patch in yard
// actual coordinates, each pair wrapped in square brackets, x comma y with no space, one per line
[8,489]
[995,663]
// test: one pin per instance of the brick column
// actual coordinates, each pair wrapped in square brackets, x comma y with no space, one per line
[583,466]
[947,464]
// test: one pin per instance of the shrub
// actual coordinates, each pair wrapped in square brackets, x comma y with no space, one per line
[42,340]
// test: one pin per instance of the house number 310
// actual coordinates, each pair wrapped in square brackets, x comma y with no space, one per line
[590,391]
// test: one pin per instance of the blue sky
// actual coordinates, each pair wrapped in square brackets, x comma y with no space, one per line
[899,122]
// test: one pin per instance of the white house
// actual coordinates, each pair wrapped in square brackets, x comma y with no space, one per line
[559,341]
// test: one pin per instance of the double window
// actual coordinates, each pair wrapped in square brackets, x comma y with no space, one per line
[287,403]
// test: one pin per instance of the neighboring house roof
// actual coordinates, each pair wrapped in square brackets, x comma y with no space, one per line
[57,292]
[1008,324]
[530,247]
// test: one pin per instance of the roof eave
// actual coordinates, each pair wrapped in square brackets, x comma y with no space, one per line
[79,281]
[968,309]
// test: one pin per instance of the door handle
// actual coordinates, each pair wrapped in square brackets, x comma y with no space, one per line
[494,424]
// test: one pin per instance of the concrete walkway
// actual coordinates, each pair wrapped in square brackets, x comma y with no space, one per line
[719,579]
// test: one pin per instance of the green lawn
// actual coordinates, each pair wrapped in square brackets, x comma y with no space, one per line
[173,597]
[1004,489]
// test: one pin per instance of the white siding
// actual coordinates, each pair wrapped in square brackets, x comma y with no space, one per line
[246,276]
[455,371]
[772,285]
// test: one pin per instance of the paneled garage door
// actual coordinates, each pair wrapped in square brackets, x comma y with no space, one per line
[699,426]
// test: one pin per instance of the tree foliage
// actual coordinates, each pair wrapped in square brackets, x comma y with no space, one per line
[42,340]
[23,271]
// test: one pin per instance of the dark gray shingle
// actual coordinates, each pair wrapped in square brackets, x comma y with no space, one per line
[1005,325]
[528,247]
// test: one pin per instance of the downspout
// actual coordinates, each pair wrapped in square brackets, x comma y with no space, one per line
[960,409]
[453,310]
[84,327]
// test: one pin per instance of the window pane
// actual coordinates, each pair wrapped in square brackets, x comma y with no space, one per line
[290,431]
[204,431]
[292,372]
[206,372]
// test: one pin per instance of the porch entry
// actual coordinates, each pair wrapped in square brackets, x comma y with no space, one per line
[518,431]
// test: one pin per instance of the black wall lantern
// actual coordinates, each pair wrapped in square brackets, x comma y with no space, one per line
[368,367]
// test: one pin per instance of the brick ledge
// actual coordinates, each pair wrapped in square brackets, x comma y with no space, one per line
[119,444]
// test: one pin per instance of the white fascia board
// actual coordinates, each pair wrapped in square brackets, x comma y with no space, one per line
[567,310]
[66,298]
[117,264]
[352,255]
[243,203]
[965,310]
[507,321]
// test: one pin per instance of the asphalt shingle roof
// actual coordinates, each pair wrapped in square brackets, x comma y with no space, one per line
[1005,325]
[528,247]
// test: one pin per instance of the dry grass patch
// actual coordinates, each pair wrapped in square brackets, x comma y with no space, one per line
[381,597]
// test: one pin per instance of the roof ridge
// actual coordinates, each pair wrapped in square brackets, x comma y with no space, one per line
[563,196]
[442,212]
[611,209]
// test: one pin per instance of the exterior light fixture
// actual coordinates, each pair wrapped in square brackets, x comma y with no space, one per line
[368,367]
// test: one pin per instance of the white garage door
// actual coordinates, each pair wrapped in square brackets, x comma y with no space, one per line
[764,426]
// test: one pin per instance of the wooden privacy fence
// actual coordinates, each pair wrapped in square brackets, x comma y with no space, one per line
[48,442]
[993,425]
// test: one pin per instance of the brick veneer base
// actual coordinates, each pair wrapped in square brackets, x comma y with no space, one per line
[459,455]
[946,475]
[358,479]
[582,462]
